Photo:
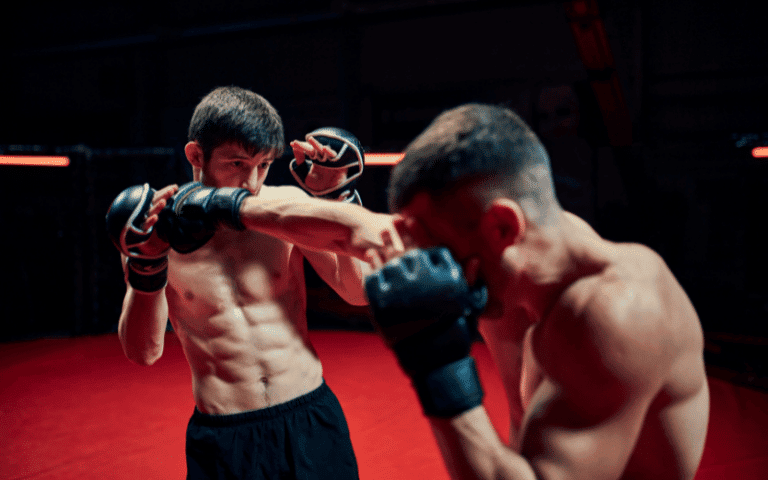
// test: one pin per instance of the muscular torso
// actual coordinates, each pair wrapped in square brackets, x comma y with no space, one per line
[671,439]
[238,306]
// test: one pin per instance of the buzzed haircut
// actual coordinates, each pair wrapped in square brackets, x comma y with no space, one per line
[234,114]
[469,143]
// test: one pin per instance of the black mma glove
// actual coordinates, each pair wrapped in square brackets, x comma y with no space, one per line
[425,311]
[147,267]
[349,156]
[193,214]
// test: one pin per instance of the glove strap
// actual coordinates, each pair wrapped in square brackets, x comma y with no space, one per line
[450,390]
[147,275]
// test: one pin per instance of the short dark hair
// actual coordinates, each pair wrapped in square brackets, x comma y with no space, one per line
[234,114]
[469,143]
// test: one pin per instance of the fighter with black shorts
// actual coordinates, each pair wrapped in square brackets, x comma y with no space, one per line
[222,258]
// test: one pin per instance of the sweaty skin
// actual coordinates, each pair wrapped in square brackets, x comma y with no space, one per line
[598,346]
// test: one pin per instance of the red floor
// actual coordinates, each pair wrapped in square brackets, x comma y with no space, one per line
[78,409]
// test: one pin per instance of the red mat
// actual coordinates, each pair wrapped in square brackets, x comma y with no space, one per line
[78,409]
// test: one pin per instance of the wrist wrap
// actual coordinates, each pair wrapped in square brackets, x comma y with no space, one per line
[147,275]
[450,390]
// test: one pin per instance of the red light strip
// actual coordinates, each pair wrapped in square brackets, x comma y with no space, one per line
[760,152]
[34,160]
[382,158]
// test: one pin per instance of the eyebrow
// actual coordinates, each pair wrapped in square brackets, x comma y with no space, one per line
[233,152]
[245,156]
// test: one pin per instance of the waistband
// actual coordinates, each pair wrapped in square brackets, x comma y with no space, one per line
[262,413]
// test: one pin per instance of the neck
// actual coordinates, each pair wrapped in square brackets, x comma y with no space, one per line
[550,259]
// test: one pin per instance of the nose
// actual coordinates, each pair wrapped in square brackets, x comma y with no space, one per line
[251,183]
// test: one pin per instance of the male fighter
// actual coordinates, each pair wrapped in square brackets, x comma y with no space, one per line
[233,289]
[599,348]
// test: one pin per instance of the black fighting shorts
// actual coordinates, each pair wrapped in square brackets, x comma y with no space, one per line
[305,438]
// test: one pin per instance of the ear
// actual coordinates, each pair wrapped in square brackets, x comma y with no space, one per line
[502,224]
[194,153]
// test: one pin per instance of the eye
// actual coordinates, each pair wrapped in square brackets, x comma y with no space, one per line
[237,164]
[264,165]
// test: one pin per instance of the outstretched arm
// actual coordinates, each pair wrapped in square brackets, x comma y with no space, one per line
[323,225]
[196,211]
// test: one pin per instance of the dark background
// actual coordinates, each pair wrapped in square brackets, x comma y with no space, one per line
[650,127]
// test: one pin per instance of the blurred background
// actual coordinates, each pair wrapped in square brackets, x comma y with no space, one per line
[652,113]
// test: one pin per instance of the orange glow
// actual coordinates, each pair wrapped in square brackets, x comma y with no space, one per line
[382,158]
[34,160]
[760,152]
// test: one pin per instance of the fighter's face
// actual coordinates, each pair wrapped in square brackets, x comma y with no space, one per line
[231,165]
[454,221]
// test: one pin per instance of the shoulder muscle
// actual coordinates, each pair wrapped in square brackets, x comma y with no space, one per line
[614,329]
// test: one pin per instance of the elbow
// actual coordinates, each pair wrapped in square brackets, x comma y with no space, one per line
[140,346]
[143,359]
[145,355]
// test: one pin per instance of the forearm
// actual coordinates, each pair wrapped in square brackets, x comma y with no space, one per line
[312,223]
[142,325]
[472,449]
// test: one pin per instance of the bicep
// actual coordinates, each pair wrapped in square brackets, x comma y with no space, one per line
[324,263]
[586,435]
[343,274]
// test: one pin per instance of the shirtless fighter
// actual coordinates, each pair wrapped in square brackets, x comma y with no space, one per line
[598,346]
[232,286]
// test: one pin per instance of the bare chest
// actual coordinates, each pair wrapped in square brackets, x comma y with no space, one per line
[236,269]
